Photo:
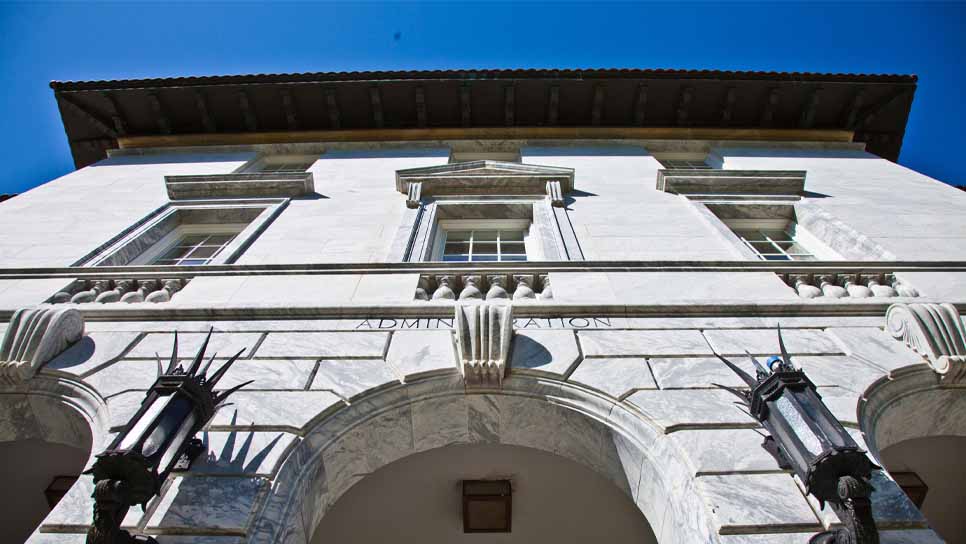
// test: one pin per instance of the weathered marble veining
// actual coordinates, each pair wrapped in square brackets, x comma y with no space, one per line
[414,353]
[546,352]
[351,377]
[765,342]
[324,344]
[697,372]
[690,408]
[616,377]
[224,344]
[275,410]
[643,343]
[269,373]
[203,502]
[92,352]
[744,503]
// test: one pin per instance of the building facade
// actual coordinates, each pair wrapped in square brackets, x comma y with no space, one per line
[521,277]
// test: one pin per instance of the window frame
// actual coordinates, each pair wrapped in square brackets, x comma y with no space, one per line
[154,233]
[444,226]
[812,246]
[172,239]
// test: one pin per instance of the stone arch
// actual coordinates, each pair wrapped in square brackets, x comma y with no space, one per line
[914,422]
[342,448]
[913,402]
[53,409]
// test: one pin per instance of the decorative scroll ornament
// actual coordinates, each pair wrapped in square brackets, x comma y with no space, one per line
[159,438]
[33,338]
[934,331]
[483,334]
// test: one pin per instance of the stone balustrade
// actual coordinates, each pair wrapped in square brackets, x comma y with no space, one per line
[484,286]
[848,285]
[119,290]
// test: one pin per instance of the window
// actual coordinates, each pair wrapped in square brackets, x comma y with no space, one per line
[484,245]
[484,241]
[281,164]
[685,164]
[194,249]
[775,245]
[191,233]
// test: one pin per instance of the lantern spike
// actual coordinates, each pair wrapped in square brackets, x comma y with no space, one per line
[196,363]
[781,345]
[224,368]
[224,394]
[760,371]
[740,394]
[173,363]
[745,377]
[204,371]
[158,356]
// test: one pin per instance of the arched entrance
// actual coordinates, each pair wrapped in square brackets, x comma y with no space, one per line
[418,499]
[50,427]
[558,419]
[915,424]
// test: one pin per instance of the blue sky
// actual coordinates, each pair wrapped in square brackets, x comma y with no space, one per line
[40,42]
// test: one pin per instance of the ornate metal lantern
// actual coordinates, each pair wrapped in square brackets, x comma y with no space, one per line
[808,439]
[158,439]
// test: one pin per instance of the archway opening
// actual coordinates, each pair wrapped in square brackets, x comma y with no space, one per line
[931,469]
[418,499]
[35,475]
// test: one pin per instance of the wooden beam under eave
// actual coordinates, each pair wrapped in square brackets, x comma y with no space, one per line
[769,107]
[375,101]
[640,105]
[88,117]
[597,108]
[120,125]
[553,104]
[248,115]
[288,106]
[509,105]
[332,106]
[466,114]
[201,103]
[164,125]
[488,133]
[421,116]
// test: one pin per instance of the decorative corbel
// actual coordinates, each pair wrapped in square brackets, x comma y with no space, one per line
[555,193]
[34,337]
[414,194]
[483,334]
[934,331]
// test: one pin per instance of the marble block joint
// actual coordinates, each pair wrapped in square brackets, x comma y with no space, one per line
[33,338]
[841,285]
[483,334]
[504,285]
[118,290]
[934,331]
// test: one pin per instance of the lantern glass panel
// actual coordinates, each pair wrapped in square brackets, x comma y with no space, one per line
[799,427]
[178,410]
[133,436]
[184,433]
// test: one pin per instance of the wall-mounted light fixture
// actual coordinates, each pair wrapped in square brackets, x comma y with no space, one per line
[807,438]
[158,439]
[487,506]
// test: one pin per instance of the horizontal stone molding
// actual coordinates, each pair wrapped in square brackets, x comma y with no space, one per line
[451,287]
[714,184]
[533,267]
[848,285]
[242,185]
[119,290]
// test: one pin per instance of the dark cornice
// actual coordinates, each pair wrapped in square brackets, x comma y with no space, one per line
[97,113]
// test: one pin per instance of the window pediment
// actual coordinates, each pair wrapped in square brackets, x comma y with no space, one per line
[484,178]
[736,184]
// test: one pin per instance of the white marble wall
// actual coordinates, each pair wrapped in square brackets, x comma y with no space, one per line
[669,430]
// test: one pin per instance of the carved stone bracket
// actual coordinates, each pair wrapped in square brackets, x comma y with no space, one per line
[934,331]
[34,337]
[483,286]
[414,194]
[483,334]
[555,193]
[122,290]
[842,285]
